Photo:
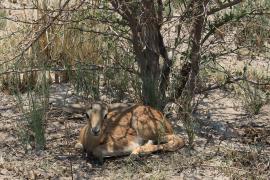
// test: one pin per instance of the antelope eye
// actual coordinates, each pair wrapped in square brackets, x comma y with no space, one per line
[105,117]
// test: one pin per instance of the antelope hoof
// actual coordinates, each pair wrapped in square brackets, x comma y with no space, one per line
[98,161]
[134,155]
[79,146]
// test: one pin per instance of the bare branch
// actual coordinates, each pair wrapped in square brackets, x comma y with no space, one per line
[231,81]
[87,67]
[224,6]
[100,32]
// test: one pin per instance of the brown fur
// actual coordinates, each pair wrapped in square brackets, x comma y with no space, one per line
[132,130]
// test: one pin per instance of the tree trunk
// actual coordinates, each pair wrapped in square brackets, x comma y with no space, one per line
[165,73]
[148,61]
[196,35]
[190,86]
[149,65]
[145,20]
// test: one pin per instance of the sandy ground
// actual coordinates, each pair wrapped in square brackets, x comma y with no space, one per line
[229,144]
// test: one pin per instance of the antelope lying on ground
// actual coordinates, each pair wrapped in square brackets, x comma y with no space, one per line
[119,129]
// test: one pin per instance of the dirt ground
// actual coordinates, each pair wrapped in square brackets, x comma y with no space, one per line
[229,144]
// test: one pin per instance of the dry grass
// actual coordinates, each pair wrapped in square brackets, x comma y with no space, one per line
[225,147]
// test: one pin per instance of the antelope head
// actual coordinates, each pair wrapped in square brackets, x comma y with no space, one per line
[96,114]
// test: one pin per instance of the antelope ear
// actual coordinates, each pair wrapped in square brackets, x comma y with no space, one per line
[118,106]
[106,111]
[75,108]
[107,108]
[89,106]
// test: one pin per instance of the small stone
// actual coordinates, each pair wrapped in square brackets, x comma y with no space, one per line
[4,172]
[31,175]
[29,147]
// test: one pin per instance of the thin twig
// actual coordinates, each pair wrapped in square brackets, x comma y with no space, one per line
[230,81]
[224,6]
[91,67]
